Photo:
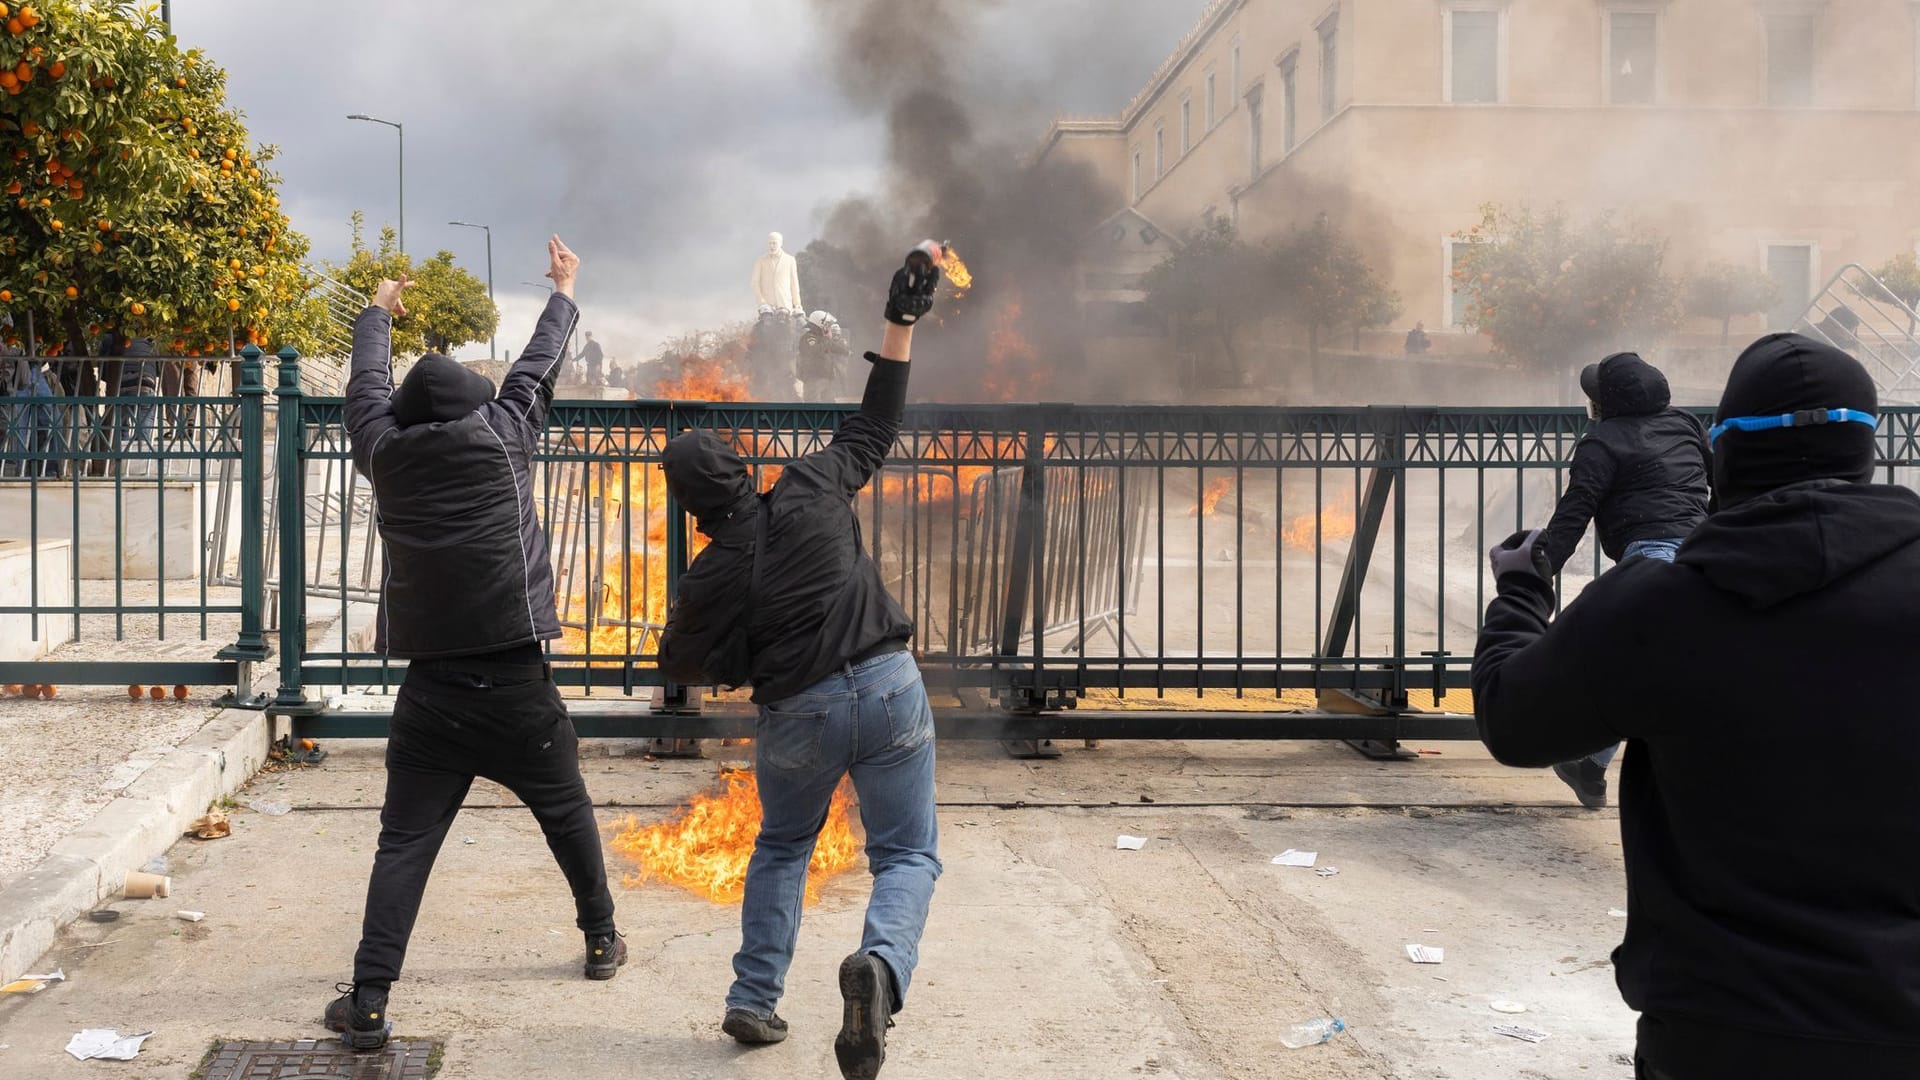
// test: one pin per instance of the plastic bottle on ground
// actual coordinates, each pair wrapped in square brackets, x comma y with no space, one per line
[1313,1032]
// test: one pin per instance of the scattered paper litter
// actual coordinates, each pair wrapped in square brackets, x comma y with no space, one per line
[1508,1007]
[467,840]
[96,1044]
[1130,843]
[58,975]
[1426,954]
[1326,871]
[1518,1031]
[189,916]
[1291,857]
[1616,913]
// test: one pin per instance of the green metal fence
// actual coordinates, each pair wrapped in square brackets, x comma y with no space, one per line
[1052,556]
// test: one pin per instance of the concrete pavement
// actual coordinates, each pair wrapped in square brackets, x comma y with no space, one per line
[1049,955]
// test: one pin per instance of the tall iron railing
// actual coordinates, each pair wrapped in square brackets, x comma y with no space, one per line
[1048,554]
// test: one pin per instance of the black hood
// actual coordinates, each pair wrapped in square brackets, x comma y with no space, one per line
[706,478]
[439,389]
[1796,540]
[1784,373]
[1625,385]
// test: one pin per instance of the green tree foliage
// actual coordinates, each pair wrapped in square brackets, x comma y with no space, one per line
[1901,276]
[1325,283]
[133,197]
[1210,285]
[447,307]
[1725,291]
[1552,292]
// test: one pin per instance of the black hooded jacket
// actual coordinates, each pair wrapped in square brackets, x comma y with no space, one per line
[1640,473]
[467,570]
[822,602]
[1766,686]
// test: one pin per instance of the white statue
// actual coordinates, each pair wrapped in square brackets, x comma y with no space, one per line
[776,277]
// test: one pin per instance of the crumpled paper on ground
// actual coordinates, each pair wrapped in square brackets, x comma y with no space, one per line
[106,1044]
[211,827]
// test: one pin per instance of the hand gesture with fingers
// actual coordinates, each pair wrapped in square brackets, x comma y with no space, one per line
[387,295]
[562,266]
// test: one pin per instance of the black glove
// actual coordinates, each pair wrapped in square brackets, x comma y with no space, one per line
[1522,553]
[913,285]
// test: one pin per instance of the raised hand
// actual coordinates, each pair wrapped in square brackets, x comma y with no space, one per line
[387,295]
[562,265]
[912,293]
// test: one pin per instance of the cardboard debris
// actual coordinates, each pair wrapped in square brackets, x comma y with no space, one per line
[33,984]
[1130,843]
[212,826]
[1521,1032]
[1326,871]
[1291,857]
[189,916]
[1426,954]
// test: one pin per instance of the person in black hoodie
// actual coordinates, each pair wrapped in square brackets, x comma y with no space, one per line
[786,597]
[1774,937]
[466,599]
[1640,475]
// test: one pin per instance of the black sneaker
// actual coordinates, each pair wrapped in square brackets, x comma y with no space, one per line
[605,954]
[867,988]
[1588,779]
[749,1027]
[359,1014]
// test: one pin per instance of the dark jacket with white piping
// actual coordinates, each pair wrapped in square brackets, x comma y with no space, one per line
[467,570]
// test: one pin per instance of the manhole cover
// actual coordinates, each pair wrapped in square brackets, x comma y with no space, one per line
[320,1059]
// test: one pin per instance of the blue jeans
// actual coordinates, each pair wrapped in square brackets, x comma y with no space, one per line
[1660,551]
[871,720]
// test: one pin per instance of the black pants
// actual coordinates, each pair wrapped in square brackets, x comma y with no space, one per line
[453,721]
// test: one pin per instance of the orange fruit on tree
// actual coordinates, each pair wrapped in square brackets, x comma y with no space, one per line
[233,305]
[29,18]
[105,225]
[3,11]
[72,293]
[13,188]
[230,155]
[6,296]
[23,71]
[16,27]
[138,308]
[56,224]
[58,69]
[98,247]
[181,82]
[8,80]
[233,264]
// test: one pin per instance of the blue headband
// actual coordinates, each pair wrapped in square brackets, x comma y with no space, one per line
[1803,418]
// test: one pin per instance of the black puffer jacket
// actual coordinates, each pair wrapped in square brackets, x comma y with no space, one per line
[467,570]
[822,602]
[1640,474]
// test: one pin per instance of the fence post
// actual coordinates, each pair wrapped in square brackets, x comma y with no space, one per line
[251,646]
[292,528]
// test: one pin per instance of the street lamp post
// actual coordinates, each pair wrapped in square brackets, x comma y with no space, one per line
[542,285]
[402,132]
[496,307]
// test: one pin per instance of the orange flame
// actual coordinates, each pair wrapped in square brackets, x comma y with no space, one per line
[706,847]
[1210,498]
[1013,369]
[1333,522]
[957,271]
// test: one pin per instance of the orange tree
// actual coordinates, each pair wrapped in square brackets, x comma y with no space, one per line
[1555,293]
[134,199]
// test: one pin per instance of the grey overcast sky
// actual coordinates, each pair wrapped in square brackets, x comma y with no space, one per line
[662,139]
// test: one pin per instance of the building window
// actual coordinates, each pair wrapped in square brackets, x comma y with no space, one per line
[1186,125]
[1253,132]
[1212,114]
[1474,55]
[1289,95]
[1791,268]
[1159,151]
[1633,57]
[1457,295]
[1329,64]
[1136,174]
[1790,58]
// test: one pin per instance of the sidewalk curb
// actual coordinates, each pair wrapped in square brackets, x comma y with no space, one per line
[91,864]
